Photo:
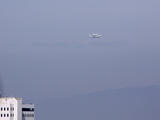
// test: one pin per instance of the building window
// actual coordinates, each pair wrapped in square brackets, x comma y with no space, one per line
[4,109]
[4,115]
[7,115]
[1,115]
[11,115]
[12,109]
[1,109]
[27,115]
[27,109]
[7,108]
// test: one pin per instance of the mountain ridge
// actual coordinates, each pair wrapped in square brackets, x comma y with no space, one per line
[126,103]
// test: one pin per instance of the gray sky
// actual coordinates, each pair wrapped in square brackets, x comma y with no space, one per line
[41,55]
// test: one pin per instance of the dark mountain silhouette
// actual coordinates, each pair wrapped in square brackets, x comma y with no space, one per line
[132,103]
[1,87]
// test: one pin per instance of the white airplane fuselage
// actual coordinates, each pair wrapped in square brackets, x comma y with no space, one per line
[97,35]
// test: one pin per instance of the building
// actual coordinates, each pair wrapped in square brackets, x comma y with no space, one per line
[12,108]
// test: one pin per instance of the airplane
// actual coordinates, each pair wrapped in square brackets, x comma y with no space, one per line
[97,35]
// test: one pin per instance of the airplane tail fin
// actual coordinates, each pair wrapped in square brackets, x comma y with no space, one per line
[89,36]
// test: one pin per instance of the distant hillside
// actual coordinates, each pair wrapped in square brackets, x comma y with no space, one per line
[132,103]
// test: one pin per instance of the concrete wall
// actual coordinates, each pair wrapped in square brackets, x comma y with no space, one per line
[11,109]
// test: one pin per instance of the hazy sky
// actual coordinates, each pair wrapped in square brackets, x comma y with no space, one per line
[44,49]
